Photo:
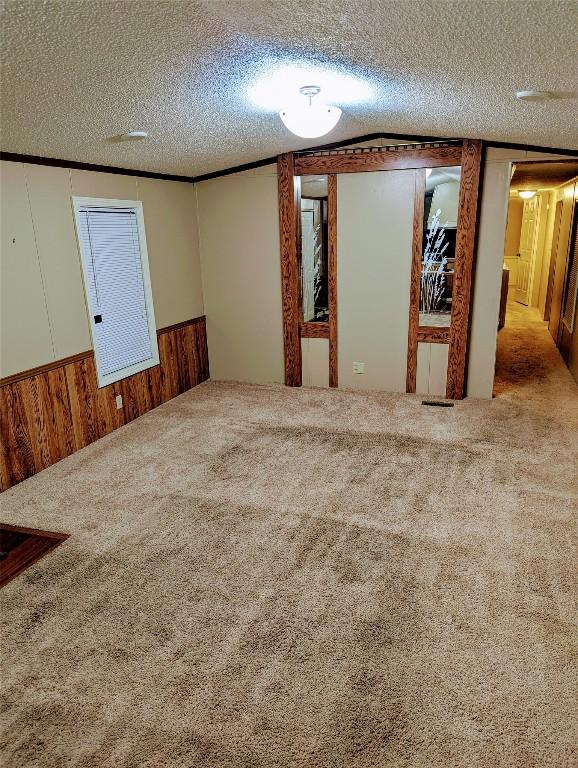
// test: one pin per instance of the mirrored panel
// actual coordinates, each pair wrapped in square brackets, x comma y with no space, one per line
[442,191]
[314,249]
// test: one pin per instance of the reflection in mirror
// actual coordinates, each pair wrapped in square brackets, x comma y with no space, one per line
[439,246]
[314,250]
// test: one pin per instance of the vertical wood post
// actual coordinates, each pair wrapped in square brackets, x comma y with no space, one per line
[332,274]
[288,233]
[414,289]
[464,267]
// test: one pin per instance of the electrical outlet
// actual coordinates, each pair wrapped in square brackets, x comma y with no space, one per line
[358,367]
[118,402]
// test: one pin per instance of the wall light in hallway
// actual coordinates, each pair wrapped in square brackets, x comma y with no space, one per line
[527,194]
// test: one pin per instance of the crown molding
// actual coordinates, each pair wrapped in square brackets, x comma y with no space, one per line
[60,163]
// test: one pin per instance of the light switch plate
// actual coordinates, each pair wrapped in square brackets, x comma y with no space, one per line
[118,402]
[358,367]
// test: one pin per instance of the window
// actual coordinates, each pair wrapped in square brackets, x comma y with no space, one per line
[114,259]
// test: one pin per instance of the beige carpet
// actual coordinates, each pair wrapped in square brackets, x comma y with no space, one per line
[261,577]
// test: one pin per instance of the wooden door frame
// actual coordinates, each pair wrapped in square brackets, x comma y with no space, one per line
[289,187]
[457,335]
[564,334]
[466,153]
[553,253]
[332,274]
[327,330]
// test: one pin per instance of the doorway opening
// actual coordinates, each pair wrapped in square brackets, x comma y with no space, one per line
[537,333]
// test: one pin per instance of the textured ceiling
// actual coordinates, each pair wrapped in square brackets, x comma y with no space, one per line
[78,72]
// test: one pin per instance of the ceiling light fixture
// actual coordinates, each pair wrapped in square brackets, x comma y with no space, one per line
[527,194]
[534,95]
[133,136]
[310,120]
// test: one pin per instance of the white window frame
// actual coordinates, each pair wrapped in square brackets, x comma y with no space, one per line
[136,205]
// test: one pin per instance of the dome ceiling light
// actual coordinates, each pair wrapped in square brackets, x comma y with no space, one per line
[534,95]
[133,136]
[310,120]
[526,194]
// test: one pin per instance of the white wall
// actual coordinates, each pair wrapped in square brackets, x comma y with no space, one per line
[374,245]
[25,339]
[44,316]
[241,269]
[173,248]
[432,369]
[315,362]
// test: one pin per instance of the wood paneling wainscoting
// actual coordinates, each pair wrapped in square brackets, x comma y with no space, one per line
[50,412]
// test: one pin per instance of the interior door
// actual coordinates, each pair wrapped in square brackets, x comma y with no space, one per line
[527,252]
[552,265]
[568,316]
[555,324]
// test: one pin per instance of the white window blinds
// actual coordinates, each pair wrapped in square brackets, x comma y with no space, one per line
[116,291]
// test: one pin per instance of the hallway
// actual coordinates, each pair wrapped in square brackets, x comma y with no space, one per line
[528,364]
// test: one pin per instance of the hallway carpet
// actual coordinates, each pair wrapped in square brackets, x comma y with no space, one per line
[262,577]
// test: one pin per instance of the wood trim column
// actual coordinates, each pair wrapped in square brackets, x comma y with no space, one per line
[464,266]
[332,275]
[414,289]
[288,233]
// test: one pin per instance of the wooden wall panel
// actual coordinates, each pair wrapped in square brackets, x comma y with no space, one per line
[17,455]
[52,413]
[414,290]
[332,271]
[314,330]
[82,386]
[136,395]
[168,360]
[434,335]
[397,158]
[290,288]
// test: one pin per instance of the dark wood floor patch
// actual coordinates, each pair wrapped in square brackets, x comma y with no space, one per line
[20,547]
